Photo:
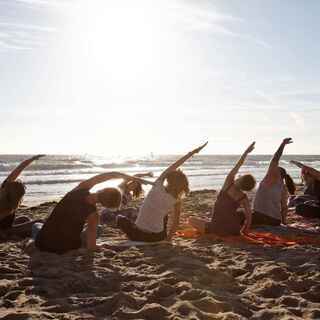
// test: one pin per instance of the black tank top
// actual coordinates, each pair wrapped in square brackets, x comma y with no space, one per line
[62,230]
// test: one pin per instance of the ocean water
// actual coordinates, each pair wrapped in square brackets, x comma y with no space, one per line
[51,177]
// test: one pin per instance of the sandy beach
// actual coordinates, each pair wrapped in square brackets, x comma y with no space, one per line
[186,279]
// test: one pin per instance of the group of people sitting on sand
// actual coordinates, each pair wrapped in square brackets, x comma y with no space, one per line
[74,221]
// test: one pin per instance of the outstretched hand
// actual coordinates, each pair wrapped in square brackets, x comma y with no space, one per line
[197,150]
[38,156]
[251,147]
[297,163]
[294,162]
[287,141]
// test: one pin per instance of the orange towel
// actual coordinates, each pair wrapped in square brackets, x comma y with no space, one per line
[262,238]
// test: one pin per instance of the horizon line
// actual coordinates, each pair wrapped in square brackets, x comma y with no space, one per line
[156,154]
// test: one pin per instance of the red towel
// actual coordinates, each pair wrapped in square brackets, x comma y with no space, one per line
[262,238]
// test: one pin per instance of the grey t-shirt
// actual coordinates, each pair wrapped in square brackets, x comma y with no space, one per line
[268,199]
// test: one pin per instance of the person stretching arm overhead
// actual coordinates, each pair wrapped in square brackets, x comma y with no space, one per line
[226,218]
[269,203]
[309,204]
[164,197]
[62,230]
[12,192]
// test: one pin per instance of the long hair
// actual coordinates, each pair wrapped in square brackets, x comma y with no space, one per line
[177,183]
[135,187]
[13,193]
[288,180]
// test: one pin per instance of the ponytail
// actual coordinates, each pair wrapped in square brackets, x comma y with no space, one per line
[290,184]
[14,192]
[288,180]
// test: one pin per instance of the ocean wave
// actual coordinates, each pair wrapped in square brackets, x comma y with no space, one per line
[48,167]
[61,181]
[50,182]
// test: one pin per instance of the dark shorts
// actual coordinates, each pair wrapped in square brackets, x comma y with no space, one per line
[135,234]
[260,219]
[109,217]
[309,209]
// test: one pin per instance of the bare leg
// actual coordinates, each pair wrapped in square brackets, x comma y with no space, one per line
[198,224]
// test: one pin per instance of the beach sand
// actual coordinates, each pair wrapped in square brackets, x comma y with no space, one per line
[187,279]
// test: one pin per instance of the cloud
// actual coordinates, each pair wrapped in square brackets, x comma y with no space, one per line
[18,26]
[36,2]
[44,3]
[15,36]
[17,41]
[209,19]
[7,46]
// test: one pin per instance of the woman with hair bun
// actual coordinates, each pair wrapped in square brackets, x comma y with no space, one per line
[226,219]
[271,200]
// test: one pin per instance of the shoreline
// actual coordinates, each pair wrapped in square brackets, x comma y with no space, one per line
[29,203]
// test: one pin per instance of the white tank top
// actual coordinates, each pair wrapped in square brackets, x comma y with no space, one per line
[268,199]
[155,207]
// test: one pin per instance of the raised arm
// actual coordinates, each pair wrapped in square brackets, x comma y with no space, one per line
[90,183]
[91,232]
[309,170]
[298,164]
[284,206]
[144,174]
[180,162]
[175,220]
[17,171]
[231,176]
[248,215]
[274,164]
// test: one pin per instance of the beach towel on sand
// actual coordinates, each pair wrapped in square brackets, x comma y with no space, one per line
[254,237]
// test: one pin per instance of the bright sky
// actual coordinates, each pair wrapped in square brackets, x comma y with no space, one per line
[129,77]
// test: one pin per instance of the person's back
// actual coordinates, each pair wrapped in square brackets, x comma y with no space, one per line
[62,230]
[154,209]
[313,189]
[268,199]
[151,223]
[7,206]
[271,199]
[225,218]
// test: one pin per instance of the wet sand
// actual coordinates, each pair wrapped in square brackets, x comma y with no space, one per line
[186,279]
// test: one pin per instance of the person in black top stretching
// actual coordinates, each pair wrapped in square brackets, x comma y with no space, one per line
[62,230]
[11,195]
[308,205]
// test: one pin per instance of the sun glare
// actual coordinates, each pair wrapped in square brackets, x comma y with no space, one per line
[121,43]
